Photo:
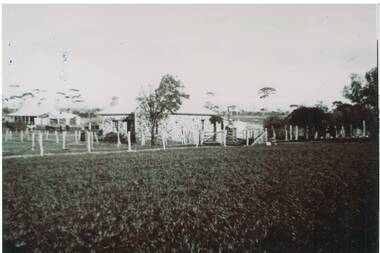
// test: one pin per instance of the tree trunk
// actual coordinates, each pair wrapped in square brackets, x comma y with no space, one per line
[152,141]
[214,138]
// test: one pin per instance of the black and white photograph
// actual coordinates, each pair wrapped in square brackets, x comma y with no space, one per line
[190,128]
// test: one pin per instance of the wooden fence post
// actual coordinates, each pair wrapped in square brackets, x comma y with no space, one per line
[75,136]
[266,135]
[21,136]
[129,141]
[33,140]
[225,137]
[296,137]
[88,141]
[247,137]
[40,140]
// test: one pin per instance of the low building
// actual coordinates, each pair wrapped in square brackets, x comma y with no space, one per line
[31,115]
[118,118]
[182,125]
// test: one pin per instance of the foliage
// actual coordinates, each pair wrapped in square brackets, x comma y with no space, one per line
[310,198]
[346,114]
[363,92]
[18,125]
[87,113]
[307,116]
[212,107]
[266,92]
[112,138]
[157,104]
[7,110]
[321,105]
[216,119]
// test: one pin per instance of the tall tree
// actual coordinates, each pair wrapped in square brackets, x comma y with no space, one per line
[265,92]
[363,91]
[156,105]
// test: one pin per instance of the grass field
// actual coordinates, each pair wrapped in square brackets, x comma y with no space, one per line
[286,198]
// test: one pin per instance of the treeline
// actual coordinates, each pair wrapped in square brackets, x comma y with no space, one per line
[355,119]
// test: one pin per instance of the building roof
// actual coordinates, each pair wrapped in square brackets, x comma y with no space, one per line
[35,110]
[117,110]
[30,109]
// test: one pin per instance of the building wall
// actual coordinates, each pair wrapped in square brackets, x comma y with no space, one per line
[176,127]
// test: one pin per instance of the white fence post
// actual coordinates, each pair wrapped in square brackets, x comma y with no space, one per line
[88,141]
[266,135]
[129,141]
[47,135]
[225,138]
[163,141]
[33,140]
[56,136]
[96,137]
[64,140]
[291,132]
[27,134]
[286,132]
[351,132]
[118,139]
[247,137]
[142,137]
[273,133]
[10,135]
[92,140]
[296,133]
[75,136]
[40,140]
[6,135]
[364,129]
[21,136]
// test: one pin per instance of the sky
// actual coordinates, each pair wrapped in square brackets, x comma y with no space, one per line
[305,52]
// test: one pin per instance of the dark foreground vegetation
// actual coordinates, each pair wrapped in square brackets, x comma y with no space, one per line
[286,198]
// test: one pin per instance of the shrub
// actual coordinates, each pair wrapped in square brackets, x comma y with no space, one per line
[112,138]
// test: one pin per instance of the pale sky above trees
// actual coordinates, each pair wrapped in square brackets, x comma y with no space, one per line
[306,53]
